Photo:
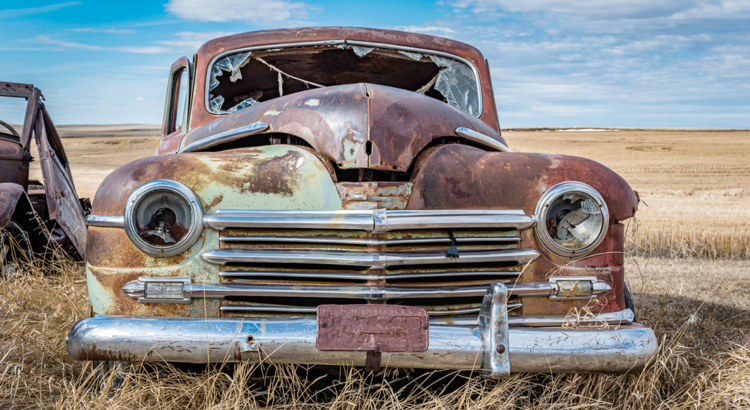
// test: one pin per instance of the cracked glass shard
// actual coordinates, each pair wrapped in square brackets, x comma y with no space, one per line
[456,83]
[215,72]
[361,51]
[216,104]
[233,64]
[413,56]
[245,103]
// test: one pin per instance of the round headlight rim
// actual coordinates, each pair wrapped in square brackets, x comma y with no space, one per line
[553,194]
[196,226]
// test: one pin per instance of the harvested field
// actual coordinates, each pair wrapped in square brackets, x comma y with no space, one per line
[688,270]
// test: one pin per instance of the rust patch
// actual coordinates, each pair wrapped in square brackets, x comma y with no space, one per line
[215,202]
[372,195]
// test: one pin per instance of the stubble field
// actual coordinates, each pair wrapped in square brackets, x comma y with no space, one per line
[687,267]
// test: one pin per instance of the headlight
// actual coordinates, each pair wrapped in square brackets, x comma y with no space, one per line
[572,219]
[163,218]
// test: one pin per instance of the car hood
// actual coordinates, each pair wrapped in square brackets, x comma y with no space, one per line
[355,125]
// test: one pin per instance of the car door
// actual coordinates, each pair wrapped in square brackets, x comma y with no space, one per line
[176,107]
[63,203]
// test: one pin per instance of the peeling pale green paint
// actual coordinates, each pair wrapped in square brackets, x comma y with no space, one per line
[313,190]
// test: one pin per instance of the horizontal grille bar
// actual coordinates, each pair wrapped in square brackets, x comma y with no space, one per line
[375,220]
[245,274]
[312,310]
[621,318]
[377,260]
[222,290]
[362,241]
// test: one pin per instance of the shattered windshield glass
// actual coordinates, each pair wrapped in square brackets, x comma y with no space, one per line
[244,79]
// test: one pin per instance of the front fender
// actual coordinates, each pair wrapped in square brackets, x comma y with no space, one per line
[268,177]
[462,177]
[459,176]
[10,195]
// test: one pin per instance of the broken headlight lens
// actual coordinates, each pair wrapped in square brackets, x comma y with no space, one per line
[572,219]
[163,218]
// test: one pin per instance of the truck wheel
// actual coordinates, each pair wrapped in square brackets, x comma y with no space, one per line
[108,375]
[15,249]
[629,301]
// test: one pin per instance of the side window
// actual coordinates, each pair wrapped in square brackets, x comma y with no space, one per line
[179,84]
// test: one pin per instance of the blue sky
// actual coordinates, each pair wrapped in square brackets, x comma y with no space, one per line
[636,63]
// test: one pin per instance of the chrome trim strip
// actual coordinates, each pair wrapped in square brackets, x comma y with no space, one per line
[226,136]
[361,241]
[261,309]
[135,289]
[376,260]
[105,221]
[313,310]
[376,221]
[292,340]
[481,139]
[216,58]
[623,317]
[361,276]
[222,290]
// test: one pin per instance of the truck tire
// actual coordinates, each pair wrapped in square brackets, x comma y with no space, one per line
[629,301]
[108,375]
[15,249]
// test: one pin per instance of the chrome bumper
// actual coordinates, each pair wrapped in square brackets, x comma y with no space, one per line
[293,340]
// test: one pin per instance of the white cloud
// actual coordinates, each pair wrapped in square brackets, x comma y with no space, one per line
[191,41]
[102,30]
[11,13]
[426,29]
[674,10]
[255,11]
[41,39]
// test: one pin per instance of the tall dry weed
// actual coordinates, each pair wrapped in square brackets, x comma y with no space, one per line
[697,307]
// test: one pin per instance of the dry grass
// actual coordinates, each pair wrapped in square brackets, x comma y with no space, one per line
[695,204]
[698,308]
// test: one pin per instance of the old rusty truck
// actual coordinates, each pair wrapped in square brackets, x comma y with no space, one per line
[38,220]
[343,196]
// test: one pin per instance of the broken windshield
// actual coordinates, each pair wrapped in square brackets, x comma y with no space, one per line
[247,78]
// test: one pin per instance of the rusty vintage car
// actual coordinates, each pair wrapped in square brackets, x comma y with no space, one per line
[36,219]
[343,196]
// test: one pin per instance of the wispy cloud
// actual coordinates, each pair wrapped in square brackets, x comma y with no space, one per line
[12,13]
[426,29]
[42,39]
[257,11]
[191,41]
[102,30]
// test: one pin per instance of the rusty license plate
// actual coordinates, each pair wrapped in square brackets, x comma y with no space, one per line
[373,328]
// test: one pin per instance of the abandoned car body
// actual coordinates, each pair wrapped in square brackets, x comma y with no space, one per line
[344,196]
[35,215]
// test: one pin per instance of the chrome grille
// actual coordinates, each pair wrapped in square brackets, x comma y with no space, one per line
[290,262]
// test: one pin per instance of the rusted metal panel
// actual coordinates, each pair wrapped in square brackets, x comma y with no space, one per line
[339,121]
[8,89]
[62,200]
[10,194]
[170,142]
[373,328]
[201,116]
[372,195]
[29,121]
[471,178]
[14,162]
